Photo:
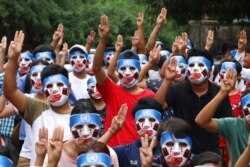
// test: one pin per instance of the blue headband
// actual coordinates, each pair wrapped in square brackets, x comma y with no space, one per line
[41,55]
[93,159]
[148,113]
[5,161]
[85,118]
[165,53]
[233,53]
[129,63]
[37,68]
[91,80]
[180,59]
[199,59]
[245,100]
[77,52]
[108,52]
[27,55]
[56,78]
[227,65]
[166,136]
[143,57]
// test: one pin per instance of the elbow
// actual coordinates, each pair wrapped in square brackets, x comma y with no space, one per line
[198,121]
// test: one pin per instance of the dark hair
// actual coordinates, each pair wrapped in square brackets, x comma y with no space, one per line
[147,103]
[245,92]
[128,54]
[28,84]
[95,146]
[200,52]
[228,46]
[4,151]
[206,157]
[45,48]
[247,49]
[53,69]
[238,65]
[177,126]
[83,106]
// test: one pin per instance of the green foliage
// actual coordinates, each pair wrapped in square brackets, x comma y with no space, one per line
[39,19]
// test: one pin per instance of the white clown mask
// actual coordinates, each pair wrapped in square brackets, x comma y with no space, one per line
[56,89]
[78,61]
[176,151]
[143,59]
[25,62]
[85,127]
[198,69]
[35,76]
[93,92]
[128,72]
[181,68]
[224,67]
[147,122]
[89,66]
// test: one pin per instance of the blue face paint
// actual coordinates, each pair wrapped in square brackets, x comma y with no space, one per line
[226,65]
[89,159]
[200,59]
[86,118]
[147,113]
[245,104]
[5,162]
[47,56]
[35,76]
[55,79]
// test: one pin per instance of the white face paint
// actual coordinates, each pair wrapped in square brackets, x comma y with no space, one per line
[56,90]
[198,69]
[176,151]
[49,60]
[245,104]
[224,67]
[93,92]
[128,76]
[36,81]
[24,65]
[180,69]
[78,62]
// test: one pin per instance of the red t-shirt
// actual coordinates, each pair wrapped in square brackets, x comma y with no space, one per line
[235,103]
[114,96]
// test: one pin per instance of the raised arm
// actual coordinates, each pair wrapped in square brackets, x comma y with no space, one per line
[153,36]
[140,27]
[3,46]
[16,97]
[170,74]
[205,118]
[112,66]
[103,32]
[57,40]
[135,41]
[242,42]
[90,40]
[209,40]
[64,54]
[244,159]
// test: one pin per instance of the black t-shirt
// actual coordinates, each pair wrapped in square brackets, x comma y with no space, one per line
[186,105]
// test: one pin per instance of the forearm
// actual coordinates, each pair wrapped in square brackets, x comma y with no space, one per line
[144,71]
[112,66]
[152,39]
[58,59]
[141,45]
[244,159]
[98,57]
[106,137]
[10,78]
[2,62]
[162,91]
[39,160]
[88,47]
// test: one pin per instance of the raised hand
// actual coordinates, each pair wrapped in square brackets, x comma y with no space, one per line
[242,42]
[91,38]
[55,145]
[58,34]
[3,45]
[154,55]
[119,43]
[162,17]
[183,43]
[209,40]
[170,72]
[146,151]
[140,19]
[228,83]
[103,29]
[176,43]
[119,119]
[15,47]
[41,144]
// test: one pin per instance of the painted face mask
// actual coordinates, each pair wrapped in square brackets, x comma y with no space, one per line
[6,162]
[78,60]
[93,92]
[93,160]
[181,68]
[224,67]
[143,59]
[198,69]
[245,105]
[35,76]
[165,53]
[128,72]
[176,151]
[85,127]
[108,54]
[56,89]
[46,56]
[24,62]
[147,122]
[90,64]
